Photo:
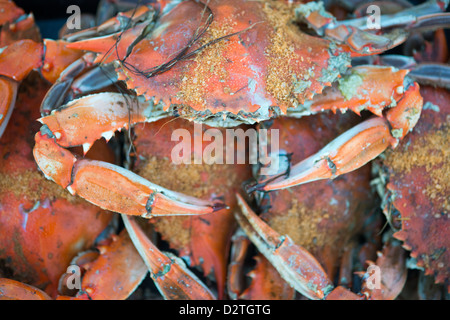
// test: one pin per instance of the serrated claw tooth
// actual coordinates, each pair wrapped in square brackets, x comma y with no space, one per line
[86,147]
[108,135]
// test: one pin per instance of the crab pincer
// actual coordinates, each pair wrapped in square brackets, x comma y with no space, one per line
[355,147]
[124,191]
[340,156]
[112,273]
[171,277]
[305,274]
[295,264]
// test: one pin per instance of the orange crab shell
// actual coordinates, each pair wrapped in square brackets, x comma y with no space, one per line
[263,60]
[418,172]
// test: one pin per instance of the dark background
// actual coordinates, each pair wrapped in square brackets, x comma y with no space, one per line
[51,9]
[51,14]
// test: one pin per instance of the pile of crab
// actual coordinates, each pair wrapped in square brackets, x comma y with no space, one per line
[92,201]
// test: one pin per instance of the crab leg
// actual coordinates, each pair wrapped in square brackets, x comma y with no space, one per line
[295,265]
[412,17]
[107,186]
[434,74]
[355,147]
[427,73]
[95,79]
[56,95]
[114,25]
[108,9]
[354,34]
[171,277]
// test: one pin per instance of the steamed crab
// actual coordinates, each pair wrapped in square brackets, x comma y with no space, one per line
[223,64]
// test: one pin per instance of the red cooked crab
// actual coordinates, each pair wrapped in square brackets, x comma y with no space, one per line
[222,63]
[41,229]
[252,36]
[417,198]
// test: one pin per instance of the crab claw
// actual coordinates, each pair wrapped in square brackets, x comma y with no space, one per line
[434,74]
[14,290]
[295,265]
[391,263]
[84,120]
[171,277]
[235,281]
[112,274]
[55,96]
[340,156]
[112,187]
[405,115]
